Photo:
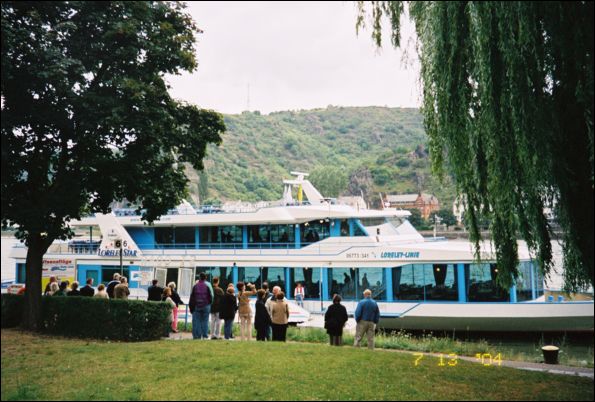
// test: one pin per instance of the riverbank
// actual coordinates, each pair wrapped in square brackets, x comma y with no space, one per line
[576,351]
[39,367]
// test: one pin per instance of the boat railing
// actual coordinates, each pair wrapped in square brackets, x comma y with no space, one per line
[213,209]
[190,249]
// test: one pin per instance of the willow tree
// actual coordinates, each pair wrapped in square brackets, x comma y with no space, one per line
[87,117]
[508,107]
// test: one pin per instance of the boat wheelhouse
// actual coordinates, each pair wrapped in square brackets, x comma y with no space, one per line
[428,284]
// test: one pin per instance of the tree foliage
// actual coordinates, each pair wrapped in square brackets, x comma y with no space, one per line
[508,107]
[447,217]
[87,118]
[331,181]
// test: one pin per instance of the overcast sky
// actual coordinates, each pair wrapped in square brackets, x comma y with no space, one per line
[297,55]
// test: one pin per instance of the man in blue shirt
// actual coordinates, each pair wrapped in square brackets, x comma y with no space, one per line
[367,316]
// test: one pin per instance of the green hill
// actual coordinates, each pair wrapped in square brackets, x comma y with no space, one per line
[386,145]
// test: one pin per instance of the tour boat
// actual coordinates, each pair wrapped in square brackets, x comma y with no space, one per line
[330,248]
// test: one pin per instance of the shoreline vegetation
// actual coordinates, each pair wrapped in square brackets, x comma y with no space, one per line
[37,367]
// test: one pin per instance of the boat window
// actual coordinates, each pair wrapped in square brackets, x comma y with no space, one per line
[343,282]
[275,277]
[184,237]
[164,237]
[21,273]
[440,282]
[538,280]
[170,237]
[367,222]
[396,221]
[373,279]
[344,228]
[314,231]
[225,275]
[408,282]
[221,237]
[357,229]
[250,275]
[482,285]
[310,280]
[271,236]
[523,282]
[108,271]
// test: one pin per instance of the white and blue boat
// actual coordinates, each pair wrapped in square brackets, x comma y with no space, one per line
[421,284]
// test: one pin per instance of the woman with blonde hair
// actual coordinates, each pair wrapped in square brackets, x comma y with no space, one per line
[101,293]
[168,300]
[177,300]
[244,310]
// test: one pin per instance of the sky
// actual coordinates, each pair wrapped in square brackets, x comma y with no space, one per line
[273,56]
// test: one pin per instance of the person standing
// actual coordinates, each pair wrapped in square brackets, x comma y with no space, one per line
[61,290]
[334,321]
[170,303]
[101,293]
[110,286]
[48,287]
[88,290]
[200,306]
[74,289]
[279,317]
[215,308]
[178,301]
[299,294]
[155,292]
[367,315]
[121,291]
[262,319]
[244,310]
[227,310]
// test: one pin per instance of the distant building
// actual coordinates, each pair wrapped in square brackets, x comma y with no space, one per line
[425,203]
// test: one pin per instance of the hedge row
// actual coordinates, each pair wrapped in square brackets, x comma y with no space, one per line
[87,317]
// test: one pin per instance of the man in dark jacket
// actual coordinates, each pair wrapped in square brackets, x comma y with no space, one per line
[200,306]
[262,319]
[88,290]
[112,285]
[74,289]
[367,316]
[155,292]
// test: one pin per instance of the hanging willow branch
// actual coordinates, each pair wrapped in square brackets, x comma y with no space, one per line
[508,107]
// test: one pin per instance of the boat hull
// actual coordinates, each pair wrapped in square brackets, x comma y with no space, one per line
[513,317]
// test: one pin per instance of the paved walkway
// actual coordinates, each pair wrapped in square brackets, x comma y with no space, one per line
[488,363]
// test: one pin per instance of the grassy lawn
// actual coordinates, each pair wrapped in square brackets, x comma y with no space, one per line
[39,367]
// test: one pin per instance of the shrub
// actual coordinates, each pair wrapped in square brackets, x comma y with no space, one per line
[87,317]
[12,310]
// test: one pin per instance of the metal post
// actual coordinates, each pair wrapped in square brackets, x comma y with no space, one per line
[121,266]
[320,291]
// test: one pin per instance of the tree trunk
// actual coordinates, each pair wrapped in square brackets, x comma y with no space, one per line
[37,246]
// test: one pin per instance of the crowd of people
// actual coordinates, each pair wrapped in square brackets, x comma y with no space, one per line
[116,289]
[211,307]
[209,301]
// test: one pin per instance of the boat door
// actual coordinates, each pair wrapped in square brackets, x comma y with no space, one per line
[186,281]
[161,276]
